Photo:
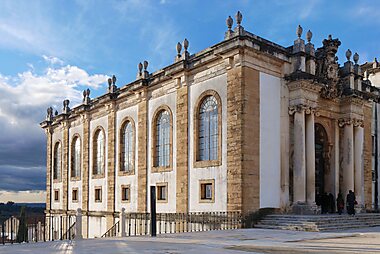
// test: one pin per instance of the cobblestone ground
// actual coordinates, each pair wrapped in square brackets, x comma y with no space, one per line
[231,241]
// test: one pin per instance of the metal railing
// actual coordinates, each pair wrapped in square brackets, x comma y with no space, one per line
[168,223]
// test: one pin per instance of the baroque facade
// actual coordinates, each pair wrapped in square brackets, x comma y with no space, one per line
[242,125]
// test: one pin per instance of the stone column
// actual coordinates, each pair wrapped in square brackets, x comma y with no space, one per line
[78,225]
[122,222]
[299,167]
[359,170]
[310,158]
[65,166]
[348,157]
[49,149]
[85,169]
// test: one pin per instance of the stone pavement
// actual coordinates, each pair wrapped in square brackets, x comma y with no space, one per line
[230,241]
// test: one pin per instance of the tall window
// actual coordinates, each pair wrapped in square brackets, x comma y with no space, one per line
[127,147]
[208,129]
[99,158]
[57,162]
[162,152]
[75,157]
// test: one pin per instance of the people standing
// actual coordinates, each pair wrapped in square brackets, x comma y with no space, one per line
[340,203]
[350,202]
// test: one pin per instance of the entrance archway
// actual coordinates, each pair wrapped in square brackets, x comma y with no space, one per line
[321,149]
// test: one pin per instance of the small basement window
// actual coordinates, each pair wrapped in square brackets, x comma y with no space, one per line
[75,195]
[56,195]
[162,192]
[98,194]
[125,193]
[207,190]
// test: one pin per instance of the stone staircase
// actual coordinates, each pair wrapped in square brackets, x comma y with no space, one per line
[326,222]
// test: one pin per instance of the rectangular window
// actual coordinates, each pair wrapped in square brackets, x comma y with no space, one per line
[125,193]
[75,195]
[207,190]
[56,195]
[98,194]
[162,192]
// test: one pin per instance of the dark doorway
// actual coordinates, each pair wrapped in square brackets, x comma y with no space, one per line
[320,160]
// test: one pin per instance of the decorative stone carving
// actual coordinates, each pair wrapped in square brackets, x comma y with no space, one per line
[86,97]
[347,121]
[239,30]
[112,84]
[229,23]
[298,108]
[178,48]
[49,114]
[299,31]
[66,108]
[186,53]
[239,18]
[309,35]
[328,67]
[348,54]
[356,58]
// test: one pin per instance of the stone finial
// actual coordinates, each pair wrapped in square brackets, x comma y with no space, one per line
[49,114]
[112,84]
[375,63]
[229,22]
[113,79]
[309,35]
[109,83]
[299,31]
[185,44]
[66,108]
[179,48]
[56,112]
[140,66]
[356,58]
[348,54]
[86,96]
[145,65]
[239,18]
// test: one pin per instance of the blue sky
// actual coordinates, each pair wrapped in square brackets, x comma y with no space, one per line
[52,50]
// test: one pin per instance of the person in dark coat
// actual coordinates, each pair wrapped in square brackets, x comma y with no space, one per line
[350,202]
[324,203]
[331,203]
[340,203]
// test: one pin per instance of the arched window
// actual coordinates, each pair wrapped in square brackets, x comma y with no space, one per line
[162,142]
[127,147]
[57,161]
[99,155]
[75,157]
[208,129]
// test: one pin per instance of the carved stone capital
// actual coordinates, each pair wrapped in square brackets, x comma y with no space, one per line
[344,121]
[301,107]
[358,123]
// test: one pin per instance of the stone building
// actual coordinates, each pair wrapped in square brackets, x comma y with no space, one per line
[242,125]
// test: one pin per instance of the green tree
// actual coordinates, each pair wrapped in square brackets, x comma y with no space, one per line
[22,234]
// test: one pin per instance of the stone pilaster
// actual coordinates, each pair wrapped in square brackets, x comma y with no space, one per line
[85,172]
[111,149]
[65,165]
[367,156]
[310,158]
[49,134]
[347,157]
[299,171]
[359,163]
[182,110]
[243,139]
[142,155]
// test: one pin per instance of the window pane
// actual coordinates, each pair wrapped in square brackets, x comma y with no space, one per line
[208,129]
[163,139]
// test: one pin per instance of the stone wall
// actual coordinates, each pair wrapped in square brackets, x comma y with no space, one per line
[142,156]
[367,155]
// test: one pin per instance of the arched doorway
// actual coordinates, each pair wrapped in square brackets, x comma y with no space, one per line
[321,149]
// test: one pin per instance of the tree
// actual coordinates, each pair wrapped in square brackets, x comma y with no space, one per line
[22,234]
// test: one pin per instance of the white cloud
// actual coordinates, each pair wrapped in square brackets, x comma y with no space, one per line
[52,60]
[23,196]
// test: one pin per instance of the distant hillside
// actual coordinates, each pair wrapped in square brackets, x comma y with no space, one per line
[12,209]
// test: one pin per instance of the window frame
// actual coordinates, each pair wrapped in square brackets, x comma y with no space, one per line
[155,168]
[56,195]
[77,195]
[75,138]
[95,151]
[205,182]
[98,188]
[128,200]
[121,170]
[206,163]
[59,172]
[159,187]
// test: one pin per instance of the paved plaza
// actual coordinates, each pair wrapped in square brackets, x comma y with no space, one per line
[230,241]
